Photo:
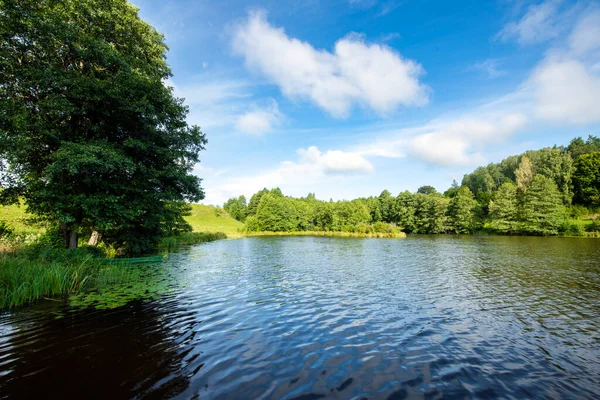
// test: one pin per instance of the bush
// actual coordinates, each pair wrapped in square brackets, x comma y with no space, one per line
[594,226]
[5,230]
[574,228]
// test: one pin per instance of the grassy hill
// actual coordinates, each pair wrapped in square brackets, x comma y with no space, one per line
[212,219]
[203,219]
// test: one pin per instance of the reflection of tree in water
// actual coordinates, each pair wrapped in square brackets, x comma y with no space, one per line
[123,353]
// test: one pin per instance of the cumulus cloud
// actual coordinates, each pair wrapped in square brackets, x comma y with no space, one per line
[355,73]
[260,121]
[459,142]
[313,167]
[566,91]
[335,161]
[537,25]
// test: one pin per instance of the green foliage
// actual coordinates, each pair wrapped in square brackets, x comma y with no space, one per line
[431,213]
[277,214]
[5,230]
[504,212]
[479,181]
[556,164]
[587,179]
[89,135]
[237,208]
[579,147]
[543,211]
[404,211]
[462,211]
[426,190]
[594,226]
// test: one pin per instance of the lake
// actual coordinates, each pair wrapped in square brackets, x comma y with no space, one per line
[308,318]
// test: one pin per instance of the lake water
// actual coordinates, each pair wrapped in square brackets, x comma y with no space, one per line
[309,318]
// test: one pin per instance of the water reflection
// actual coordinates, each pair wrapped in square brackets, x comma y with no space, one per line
[307,318]
[93,354]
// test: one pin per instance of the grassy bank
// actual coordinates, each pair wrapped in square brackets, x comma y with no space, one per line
[34,273]
[330,234]
[31,270]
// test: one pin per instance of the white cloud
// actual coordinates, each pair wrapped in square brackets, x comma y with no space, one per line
[260,121]
[566,91]
[586,34]
[537,25]
[213,102]
[458,142]
[314,167]
[335,161]
[356,73]
[489,67]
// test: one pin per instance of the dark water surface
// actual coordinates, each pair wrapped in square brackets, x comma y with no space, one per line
[308,318]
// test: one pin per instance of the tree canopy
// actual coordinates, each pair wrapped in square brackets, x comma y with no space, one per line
[90,135]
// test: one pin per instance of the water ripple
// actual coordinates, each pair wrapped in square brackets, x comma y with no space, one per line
[308,318]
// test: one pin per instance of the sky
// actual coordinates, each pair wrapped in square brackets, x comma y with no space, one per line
[346,98]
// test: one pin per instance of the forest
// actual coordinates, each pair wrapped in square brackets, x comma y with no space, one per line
[550,191]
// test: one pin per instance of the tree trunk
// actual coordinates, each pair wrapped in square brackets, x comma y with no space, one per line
[95,238]
[64,231]
[73,239]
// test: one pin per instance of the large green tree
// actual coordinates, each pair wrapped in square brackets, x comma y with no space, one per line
[461,211]
[90,136]
[504,211]
[543,211]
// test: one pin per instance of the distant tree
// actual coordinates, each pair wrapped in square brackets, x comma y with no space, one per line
[556,164]
[587,179]
[543,211]
[404,211]
[479,181]
[237,208]
[386,205]
[90,136]
[324,216]
[461,211]
[504,212]
[507,167]
[426,190]
[431,213]
[255,200]
[579,147]
[350,213]
[277,214]
[453,190]
[524,173]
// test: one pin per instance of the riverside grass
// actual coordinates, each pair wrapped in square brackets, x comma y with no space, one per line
[30,271]
[34,273]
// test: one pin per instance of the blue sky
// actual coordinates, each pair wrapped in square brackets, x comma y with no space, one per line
[346,98]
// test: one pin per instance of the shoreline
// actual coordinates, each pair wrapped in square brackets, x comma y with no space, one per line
[397,235]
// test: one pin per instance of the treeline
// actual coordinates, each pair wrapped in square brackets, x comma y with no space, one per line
[533,193]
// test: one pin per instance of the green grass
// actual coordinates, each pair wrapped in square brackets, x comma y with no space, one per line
[34,273]
[213,219]
[31,271]
[21,222]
